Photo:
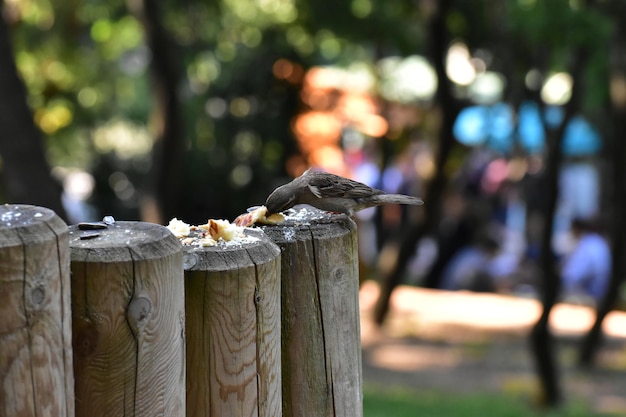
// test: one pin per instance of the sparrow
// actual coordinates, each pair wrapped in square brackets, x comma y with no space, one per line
[333,193]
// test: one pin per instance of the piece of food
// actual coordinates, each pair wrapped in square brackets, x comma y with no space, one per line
[258,216]
[212,233]
[222,229]
[179,228]
[206,242]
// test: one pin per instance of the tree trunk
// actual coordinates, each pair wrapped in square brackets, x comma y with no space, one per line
[25,170]
[166,180]
[434,193]
[540,336]
[592,340]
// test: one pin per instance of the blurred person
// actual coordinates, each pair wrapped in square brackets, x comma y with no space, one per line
[509,223]
[579,197]
[586,269]
[472,267]
[78,186]
[579,189]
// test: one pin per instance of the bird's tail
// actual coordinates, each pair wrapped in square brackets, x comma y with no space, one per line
[397,199]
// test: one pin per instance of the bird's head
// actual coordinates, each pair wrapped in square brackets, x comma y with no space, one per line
[281,199]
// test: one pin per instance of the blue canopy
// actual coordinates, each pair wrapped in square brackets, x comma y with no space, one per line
[486,125]
[494,126]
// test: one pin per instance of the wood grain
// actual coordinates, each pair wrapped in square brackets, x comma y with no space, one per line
[36,377]
[233,330]
[128,322]
[321,361]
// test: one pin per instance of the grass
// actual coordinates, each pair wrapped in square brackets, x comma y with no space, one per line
[401,402]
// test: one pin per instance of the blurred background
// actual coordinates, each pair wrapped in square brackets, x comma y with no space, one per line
[506,117]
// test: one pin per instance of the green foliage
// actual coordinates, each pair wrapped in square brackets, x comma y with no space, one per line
[560,23]
[549,31]
[86,67]
[401,402]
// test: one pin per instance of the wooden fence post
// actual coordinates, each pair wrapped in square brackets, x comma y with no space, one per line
[128,321]
[233,330]
[321,366]
[36,377]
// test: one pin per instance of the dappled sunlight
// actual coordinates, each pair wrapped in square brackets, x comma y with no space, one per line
[338,101]
[477,314]
[407,358]
[478,342]
[123,137]
[53,117]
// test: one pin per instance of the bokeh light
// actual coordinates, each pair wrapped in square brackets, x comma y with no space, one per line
[124,138]
[459,67]
[557,89]
[407,80]
[487,88]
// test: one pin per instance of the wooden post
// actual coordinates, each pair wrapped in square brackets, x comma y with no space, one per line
[233,330]
[128,321]
[36,376]
[321,365]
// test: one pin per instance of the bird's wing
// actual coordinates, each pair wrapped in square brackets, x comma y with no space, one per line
[324,185]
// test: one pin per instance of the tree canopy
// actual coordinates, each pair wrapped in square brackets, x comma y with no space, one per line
[86,68]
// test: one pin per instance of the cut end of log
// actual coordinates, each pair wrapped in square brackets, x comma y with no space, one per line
[19,215]
[24,224]
[216,258]
[147,241]
[300,223]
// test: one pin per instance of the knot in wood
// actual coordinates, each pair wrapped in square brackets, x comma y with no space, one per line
[37,295]
[139,309]
[339,275]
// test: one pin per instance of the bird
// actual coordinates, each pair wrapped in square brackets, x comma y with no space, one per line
[333,193]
